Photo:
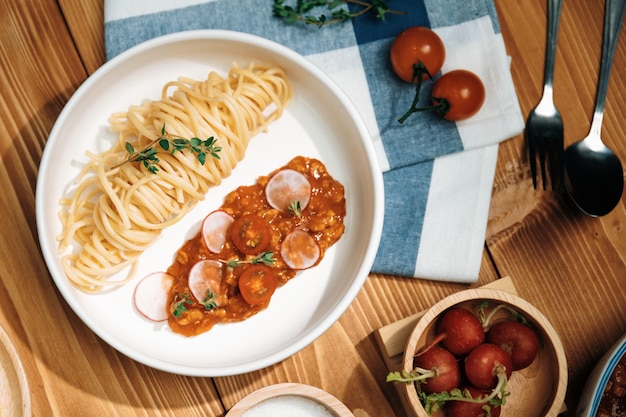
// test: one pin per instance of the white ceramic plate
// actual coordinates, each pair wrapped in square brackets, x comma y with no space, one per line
[320,122]
[14,391]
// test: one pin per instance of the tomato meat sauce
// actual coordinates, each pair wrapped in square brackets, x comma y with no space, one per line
[258,245]
[613,402]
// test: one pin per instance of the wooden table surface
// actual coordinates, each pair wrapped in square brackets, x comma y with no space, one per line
[572,267]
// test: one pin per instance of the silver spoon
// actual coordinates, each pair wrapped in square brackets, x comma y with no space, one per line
[593,173]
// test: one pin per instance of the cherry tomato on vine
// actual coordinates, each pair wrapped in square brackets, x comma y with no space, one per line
[413,46]
[256,284]
[458,95]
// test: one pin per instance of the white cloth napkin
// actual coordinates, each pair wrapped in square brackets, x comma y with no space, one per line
[438,175]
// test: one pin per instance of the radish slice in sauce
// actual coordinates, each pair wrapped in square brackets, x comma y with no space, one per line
[214,227]
[150,295]
[204,279]
[299,250]
[288,186]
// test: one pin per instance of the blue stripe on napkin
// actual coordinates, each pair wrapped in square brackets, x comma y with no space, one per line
[405,204]
[368,27]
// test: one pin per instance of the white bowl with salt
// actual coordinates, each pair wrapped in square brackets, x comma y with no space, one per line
[289,400]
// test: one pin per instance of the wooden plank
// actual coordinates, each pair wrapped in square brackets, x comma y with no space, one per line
[85,20]
[570,266]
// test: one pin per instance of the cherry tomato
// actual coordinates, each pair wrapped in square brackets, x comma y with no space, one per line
[256,284]
[414,45]
[458,95]
[250,234]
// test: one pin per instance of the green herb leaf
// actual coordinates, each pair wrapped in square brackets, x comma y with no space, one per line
[265,258]
[300,12]
[164,144]
[209,302]
[178,306]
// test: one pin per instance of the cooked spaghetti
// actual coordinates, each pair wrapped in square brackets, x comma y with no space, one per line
[119,207]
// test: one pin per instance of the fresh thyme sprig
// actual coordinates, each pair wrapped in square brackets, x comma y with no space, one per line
[178,306]
[300,12]
[172,144]
[209,302]
[265,258]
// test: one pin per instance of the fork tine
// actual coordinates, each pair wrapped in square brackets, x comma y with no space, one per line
[556,156]
[542,160]
[530,142]
[553,164]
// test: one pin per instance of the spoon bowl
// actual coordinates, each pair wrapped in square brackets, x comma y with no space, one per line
[593,173]
[593,176]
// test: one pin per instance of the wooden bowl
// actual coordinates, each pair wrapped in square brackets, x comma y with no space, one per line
[275,396]
[14,391]
[536,391]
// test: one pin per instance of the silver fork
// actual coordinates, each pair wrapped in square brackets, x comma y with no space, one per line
[544,125]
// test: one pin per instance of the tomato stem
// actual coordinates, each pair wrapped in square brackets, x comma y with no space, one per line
[419,70]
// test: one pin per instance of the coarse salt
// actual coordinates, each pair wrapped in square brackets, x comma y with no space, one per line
[288,406]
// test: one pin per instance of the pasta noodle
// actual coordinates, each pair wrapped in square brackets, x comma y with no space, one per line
[119,208]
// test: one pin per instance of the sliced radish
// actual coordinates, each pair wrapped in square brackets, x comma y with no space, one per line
[299,250]
[204,278]
[151,294]
[286,187]
[214,228]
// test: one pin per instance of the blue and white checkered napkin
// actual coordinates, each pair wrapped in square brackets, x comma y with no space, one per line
[438,175]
